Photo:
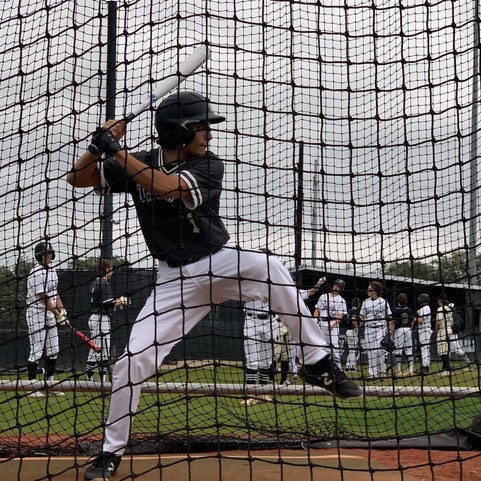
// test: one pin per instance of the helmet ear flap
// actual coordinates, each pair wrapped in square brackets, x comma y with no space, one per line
[179,136]
[175,114]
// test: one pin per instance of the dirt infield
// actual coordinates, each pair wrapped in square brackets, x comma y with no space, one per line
[298,465]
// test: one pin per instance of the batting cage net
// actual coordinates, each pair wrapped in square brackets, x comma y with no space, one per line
[350,153]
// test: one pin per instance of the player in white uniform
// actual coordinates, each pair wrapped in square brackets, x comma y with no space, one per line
[176,191]
[259,338]
[329,312]
[44,311]
[375,315]
[424,332]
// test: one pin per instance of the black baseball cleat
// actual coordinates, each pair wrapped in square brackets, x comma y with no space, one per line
[103,467]
[327,375]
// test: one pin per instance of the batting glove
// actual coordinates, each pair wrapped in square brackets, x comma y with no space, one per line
[62,319]
[104,142]
[125,300]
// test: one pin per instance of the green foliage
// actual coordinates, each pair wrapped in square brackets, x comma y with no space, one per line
[451,268]
[413,270]
[294,417]
[13,291]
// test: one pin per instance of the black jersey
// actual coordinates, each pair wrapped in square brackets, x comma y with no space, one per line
[403,317]
[352,315]
[101,298]
[176,232]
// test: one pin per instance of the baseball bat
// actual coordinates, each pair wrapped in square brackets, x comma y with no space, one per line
[186,68]
[84,338]
[174,79]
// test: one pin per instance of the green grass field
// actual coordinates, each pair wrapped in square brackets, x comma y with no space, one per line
[288,417]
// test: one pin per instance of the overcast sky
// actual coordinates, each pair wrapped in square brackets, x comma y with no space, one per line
[381,98]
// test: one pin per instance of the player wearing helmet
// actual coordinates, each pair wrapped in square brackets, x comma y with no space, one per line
[329,312]
[424,331]
[176,190]
[44,311]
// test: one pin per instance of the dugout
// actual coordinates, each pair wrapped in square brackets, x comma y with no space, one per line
[467,299]
[220,334]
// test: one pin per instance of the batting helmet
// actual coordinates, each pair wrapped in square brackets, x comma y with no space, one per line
[42,248]
[175,114]
[424,299]
[340,283]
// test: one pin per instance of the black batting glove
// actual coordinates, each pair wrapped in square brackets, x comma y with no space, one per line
[104,142]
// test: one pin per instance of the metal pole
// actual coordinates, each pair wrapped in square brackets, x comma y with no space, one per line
[473,204]
[315,220]
[107,237]
[299,209]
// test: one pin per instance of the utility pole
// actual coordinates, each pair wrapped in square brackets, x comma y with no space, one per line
[107,237]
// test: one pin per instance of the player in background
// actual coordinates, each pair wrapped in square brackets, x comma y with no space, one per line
[45,310]
[375,315]
[424,332]
[455,345]
[444,326]
[102,302]
[286,351]
[260,334]
[176,191]
[401,328]
[352,335]
[329,312]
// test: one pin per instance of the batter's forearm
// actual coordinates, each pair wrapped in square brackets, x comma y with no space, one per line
[85,172]
[152,180]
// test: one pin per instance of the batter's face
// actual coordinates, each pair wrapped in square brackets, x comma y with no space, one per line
[201,140]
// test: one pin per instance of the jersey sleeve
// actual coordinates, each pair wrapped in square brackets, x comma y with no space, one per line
[204,179]
[114,179]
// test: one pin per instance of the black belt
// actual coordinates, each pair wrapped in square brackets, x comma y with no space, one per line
[259,316]
[190,260]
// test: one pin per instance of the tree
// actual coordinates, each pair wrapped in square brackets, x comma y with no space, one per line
[13,292]
[450,268]
[413,270]
[92,263]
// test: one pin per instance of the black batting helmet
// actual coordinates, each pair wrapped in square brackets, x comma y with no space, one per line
[424,299]
[340,283]
[42,248]
[175,114]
